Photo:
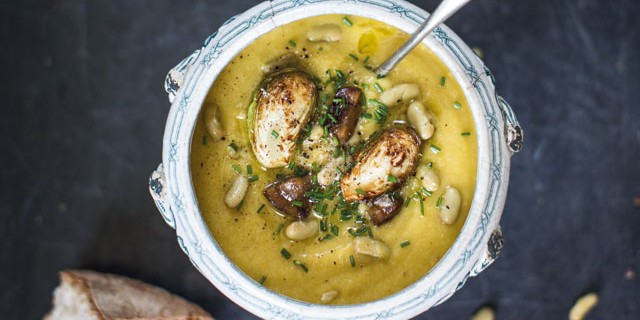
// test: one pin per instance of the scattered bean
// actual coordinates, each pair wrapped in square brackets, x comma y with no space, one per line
[371,247]
[237,191]
[329,296]
[302,229]
[324,33]
[213,125]
[450,206]
[399,93]
[428,177]
[420,120]
[484,313]
[583,306]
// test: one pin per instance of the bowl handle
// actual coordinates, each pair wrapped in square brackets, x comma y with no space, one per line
[158,190]
[175,76]
[491,252]
[513,131]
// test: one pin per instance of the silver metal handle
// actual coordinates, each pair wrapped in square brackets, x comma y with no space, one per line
[158,190]
[445,10]
[175,77]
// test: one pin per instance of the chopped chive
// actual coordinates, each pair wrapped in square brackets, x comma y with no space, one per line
[333,119]
[367,115]
[434,149]
[353,56]
[297,203]
[426,192]
[378,87]
[252,179]
[292,43]
[286,254]
[366,59]
[323,225]
[361,192]
[457,105]
[320,49]
[364,85]
[392,179]
[439,203]
[405,243]
[352,261]
[240,204]
[233,146]
[249,169]
[430,165]
[326,131]
[326,237]
[465,134]
[347,21]
[340,75]
[336,152]
[443,80]
[335,230]
[421,205]
[301,265]
[236,168]
[278,229]
[274,134]
[406,202]
[376,103]
[261,207]
[204,140]
[262,279]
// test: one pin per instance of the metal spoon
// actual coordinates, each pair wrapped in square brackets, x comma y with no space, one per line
[445,10]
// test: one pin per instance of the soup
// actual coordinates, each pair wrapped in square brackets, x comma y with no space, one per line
[360,222]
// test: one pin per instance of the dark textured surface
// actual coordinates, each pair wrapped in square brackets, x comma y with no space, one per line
[83,113]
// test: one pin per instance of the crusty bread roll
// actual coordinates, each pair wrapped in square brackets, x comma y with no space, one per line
[91,295]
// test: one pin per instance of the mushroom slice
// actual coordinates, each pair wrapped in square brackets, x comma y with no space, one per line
[287,195]
[383,164]
[281,108]
[384,208]
[346,109]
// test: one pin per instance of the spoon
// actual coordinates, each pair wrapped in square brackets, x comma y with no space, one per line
[445,10]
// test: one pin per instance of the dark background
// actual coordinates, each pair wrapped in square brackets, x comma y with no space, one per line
[83,113]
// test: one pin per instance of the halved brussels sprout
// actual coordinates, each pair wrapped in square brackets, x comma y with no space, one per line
[383,164]
[280,109]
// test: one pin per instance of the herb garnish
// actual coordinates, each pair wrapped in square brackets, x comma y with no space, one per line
[346,21]
[236,168]
[301,265]
[352,261]
[405,243]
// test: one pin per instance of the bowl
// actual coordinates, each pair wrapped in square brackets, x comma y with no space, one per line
[480,241]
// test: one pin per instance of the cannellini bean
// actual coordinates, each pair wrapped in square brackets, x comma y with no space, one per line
[233,154]
[278,63]
[420,120]
[328,296]
[399,93]
[484,313]
[329,173]
[301,230]
[371,247]
[428,177]
[237,191]
[316,132]
[450,206]
[213,125]
[583,306]
[324,33]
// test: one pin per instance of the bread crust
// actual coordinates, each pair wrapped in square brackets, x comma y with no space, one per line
[113,297]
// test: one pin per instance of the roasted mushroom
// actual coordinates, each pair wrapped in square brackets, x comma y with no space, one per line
[287,195]
[383,164]
[384,208]
[346,109]
[281,108]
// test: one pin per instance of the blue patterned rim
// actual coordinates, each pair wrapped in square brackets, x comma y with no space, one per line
[493,166]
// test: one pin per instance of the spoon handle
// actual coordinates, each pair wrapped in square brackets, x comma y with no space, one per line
[445,10]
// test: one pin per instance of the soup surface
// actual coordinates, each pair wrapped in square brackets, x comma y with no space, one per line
[337,51]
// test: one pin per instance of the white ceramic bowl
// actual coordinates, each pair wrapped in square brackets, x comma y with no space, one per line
[480,239]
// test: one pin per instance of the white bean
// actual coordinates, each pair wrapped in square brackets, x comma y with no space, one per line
[213,125]
[420,119]
[371,247]
[325,33]
[329,173]
[328,296]
[278,63]
[237,191]
[450,206]
[428,177]
[316,132]
[301,230]
[583,306]
[399,93]
[484,313]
